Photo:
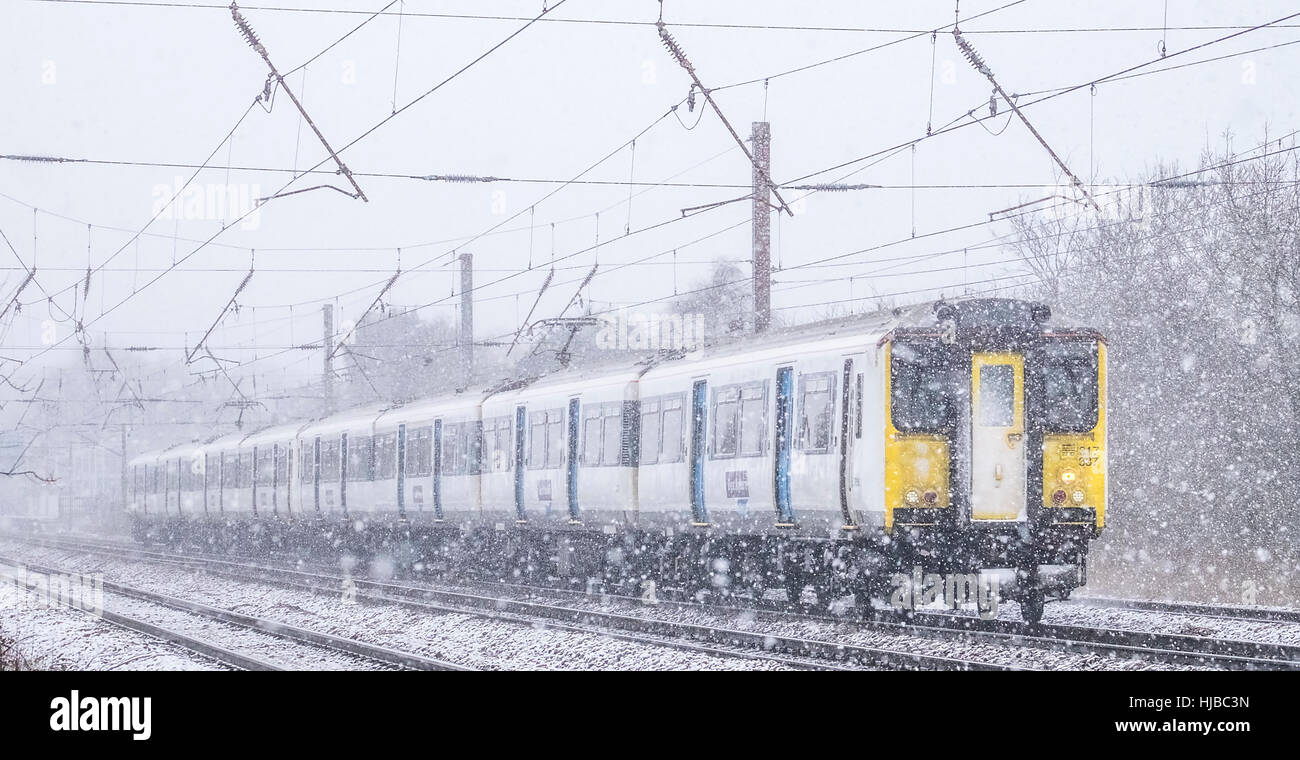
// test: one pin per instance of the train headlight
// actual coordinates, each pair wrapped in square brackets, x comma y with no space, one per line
[1058,497]
[912,497]
[931,497]
[1078,496]
[1067,476]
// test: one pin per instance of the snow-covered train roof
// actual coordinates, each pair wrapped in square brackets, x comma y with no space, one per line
[274,434]
[571,382]
[349,419]
[461,404]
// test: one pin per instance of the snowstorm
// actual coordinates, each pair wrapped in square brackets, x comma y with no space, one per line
[651,335]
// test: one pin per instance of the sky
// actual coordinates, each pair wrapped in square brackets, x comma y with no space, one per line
[411,94]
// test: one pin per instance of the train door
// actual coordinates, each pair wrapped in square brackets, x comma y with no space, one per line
[782,436]
[343,473]
[699,414]
[573,458]
[998,460]
[437,469]
[401,471]
[521,415]
[315,472]
[846,440]
[256,477]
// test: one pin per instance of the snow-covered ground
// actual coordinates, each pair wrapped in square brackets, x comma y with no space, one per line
[60,638]
[474,641]
[464,639]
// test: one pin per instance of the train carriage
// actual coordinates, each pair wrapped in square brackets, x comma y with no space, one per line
[767,440]
[562,451]
[337,450]
[439,442]
[184,480]
[143,469]
[229,483]
[271,451]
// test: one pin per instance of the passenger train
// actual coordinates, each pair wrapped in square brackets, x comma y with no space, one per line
[958,437]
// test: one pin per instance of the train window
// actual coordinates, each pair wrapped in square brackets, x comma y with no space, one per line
[499,455]
[1070,385]
[307,463]
[460,446]
[816,404]
[452,454]
[229,470]
[419,452]
[246,469]
[360,457]
[753,419]
[282,464]
[554,437]
[536,440]
[922,386]
[384,465]
[591,435]
[265,474]
[672,449]
[173,475]
[545,438]
[329,460]
[857,395]
[650,431]
[726,426]
[612,425]
[997,395]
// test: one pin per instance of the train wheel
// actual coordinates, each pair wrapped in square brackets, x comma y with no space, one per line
[1031,606]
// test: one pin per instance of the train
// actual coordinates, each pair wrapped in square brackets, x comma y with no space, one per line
[954,437]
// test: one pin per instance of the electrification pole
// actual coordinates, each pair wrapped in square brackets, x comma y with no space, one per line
[762,242]
[327,381]
[467,317]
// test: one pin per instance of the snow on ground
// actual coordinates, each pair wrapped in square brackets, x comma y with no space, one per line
[848,633]
[1262,631]
[278,651]
[471,640]
[60,638]
[460,638]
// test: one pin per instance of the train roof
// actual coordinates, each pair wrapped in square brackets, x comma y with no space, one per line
[428,408]
[572,381]
[348,419]
[274,434]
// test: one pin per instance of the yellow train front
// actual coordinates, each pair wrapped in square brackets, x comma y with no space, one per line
[995,450]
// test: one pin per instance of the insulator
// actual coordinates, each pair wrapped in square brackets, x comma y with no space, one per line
[971,56]
[674,48]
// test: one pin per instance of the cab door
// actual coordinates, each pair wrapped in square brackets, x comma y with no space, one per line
[998,460]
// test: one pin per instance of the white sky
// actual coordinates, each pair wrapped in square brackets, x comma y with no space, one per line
[165,84]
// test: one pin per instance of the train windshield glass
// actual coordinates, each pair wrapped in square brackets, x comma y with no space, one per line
[923,389]
[1070,374]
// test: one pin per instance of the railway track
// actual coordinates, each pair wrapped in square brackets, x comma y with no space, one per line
[133,612]
[1169,648]
[793,651]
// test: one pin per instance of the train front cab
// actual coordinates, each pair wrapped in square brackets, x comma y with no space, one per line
[995,450]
